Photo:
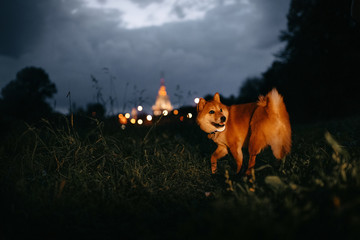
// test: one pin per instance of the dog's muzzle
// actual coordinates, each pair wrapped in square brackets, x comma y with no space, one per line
[219,127]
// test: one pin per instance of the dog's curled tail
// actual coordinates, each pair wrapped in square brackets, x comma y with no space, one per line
[278,129]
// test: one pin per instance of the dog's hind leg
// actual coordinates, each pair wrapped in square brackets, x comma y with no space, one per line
[220,152]
[256,144]
[238,155]
[251,165]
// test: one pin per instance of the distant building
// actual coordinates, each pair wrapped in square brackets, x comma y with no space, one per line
[162,100]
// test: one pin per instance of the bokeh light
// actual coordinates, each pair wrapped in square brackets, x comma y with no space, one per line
[122,119]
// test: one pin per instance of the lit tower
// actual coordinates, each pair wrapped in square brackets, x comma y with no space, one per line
[162,100]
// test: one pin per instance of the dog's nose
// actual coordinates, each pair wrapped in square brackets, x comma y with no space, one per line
[223,118]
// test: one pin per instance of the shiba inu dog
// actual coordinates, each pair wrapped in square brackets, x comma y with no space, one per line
[252,125]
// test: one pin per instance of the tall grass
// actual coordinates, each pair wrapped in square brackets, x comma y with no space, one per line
[58,180]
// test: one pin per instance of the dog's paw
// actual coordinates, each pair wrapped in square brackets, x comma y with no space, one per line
[213,168]
[250,173]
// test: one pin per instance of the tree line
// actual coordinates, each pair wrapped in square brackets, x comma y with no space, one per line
[317,72]
[27,98]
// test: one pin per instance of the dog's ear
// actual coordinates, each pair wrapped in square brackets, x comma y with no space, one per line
[201,105]
[217,97]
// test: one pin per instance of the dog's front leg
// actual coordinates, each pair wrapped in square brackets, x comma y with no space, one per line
[220,152]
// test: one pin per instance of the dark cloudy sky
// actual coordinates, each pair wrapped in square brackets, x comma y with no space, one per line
[202,46]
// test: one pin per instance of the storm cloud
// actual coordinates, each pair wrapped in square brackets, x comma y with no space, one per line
[71,40]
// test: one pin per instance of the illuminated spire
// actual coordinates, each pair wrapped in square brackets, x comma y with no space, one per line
[162,90]
[162,100]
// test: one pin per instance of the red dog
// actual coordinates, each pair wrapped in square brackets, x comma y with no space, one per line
[252,125]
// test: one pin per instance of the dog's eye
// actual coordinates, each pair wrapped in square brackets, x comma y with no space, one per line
[220,109]
[212,112]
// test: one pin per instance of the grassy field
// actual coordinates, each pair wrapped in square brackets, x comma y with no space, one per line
[101,182]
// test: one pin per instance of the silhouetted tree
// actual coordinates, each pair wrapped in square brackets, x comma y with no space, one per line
[317,71]
[25,97]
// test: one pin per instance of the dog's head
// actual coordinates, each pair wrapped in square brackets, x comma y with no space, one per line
[212,115]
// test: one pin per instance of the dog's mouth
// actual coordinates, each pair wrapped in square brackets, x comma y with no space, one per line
[218,125]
